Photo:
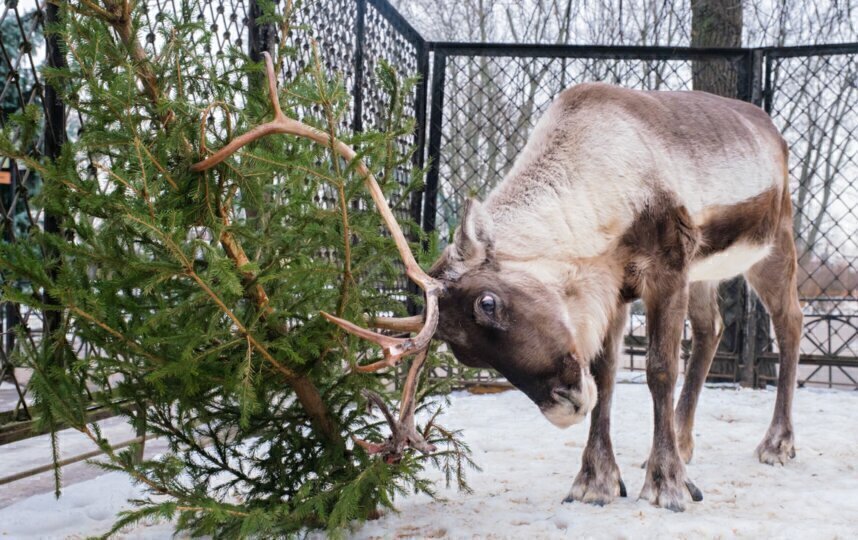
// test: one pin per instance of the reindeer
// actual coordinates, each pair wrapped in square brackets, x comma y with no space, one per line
[618,195]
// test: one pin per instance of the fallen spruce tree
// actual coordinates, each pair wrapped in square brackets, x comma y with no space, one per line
[198,293]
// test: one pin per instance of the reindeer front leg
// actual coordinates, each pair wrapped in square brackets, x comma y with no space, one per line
[599,482]
[666,481]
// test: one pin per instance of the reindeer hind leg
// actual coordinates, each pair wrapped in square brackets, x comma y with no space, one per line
[774,280]
[706,329]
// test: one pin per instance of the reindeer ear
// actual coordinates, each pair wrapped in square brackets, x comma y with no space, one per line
[473,239]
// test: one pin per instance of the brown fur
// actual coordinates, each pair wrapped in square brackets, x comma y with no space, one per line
[754,221]
[774,280]
[660,244]
[659,248]
[522,324]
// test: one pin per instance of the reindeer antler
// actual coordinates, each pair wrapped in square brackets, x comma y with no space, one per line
[394,349]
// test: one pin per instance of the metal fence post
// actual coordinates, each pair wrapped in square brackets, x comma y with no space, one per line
[430,200]
[10,309]
[767,89]
[744,345]
[753,313]
[749,81]
[357,91]
[757,77]
[55,136]
[750,76]
[419,157]
[261,37]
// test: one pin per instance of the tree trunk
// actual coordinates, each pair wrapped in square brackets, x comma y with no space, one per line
[716,23]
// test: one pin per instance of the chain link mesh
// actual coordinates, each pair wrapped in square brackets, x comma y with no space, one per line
[22,54]
[814,102]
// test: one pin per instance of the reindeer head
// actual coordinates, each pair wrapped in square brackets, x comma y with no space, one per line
[504,316]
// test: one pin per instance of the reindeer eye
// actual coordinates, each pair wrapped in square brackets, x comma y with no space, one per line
[487,304]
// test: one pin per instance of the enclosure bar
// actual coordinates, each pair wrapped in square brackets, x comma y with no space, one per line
[743,77]
[452,48]
[757,77]
[419,156]
[19,431]
[357,89]
[632,52]
[55,135]
[750,90]
[811,50]
[430,202]
[748,350]
[261,37]
[68,461]
[748,76]
[767,91]
[10,309]
[420,102]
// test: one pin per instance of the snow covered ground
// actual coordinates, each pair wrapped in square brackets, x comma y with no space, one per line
[528,466]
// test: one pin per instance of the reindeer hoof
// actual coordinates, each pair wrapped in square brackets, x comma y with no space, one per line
[668,497]
[599,488]
[776,448]
[696,494]
[666,484]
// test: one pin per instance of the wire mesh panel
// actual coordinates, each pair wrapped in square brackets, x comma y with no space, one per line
[813,99]
[388,39]
[352,38]
[22,54]
[384,42]
[329,28]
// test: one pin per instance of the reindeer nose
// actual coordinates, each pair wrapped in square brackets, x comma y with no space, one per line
[565,393]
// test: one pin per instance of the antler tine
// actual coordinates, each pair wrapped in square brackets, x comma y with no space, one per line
[398,324]
[394,348]
[280,124]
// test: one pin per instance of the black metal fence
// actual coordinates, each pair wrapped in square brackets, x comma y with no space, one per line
[811,94]
[474,108]
[485,99]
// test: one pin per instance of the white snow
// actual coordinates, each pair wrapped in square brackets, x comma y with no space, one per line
[528,467]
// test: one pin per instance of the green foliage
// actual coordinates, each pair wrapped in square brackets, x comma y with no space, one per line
[221,357]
